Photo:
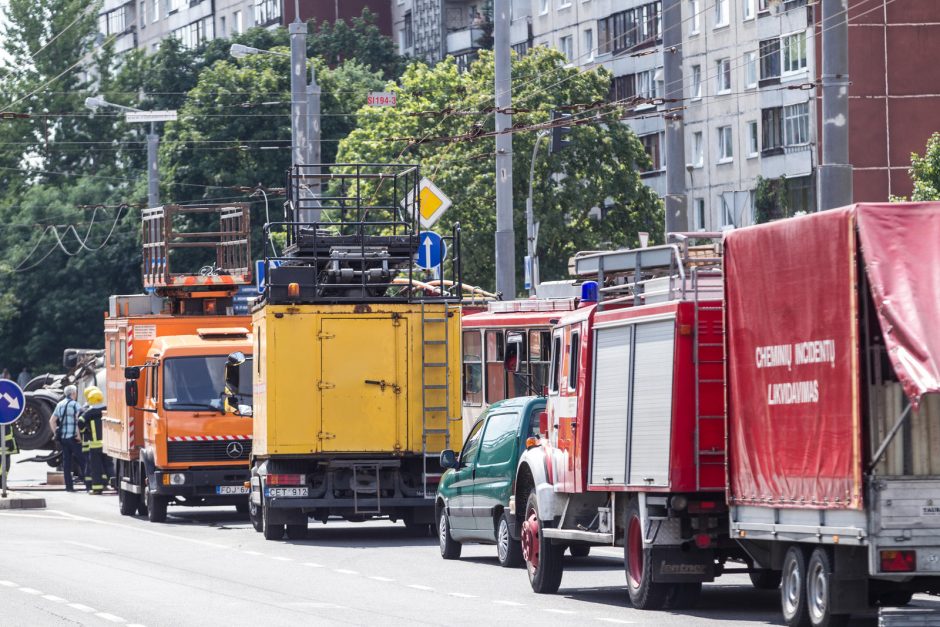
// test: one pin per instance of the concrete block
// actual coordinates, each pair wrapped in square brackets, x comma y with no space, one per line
[18,501]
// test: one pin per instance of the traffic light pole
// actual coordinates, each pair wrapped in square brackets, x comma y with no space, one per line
[505,238]
[531,226]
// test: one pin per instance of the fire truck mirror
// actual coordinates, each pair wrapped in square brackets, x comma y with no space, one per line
[512,360]
[448,459]
[132,373]
[130,393]
[543,424]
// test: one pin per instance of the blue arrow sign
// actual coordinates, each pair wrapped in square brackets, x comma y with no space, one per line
[432,250]
[12,402]
[260,273]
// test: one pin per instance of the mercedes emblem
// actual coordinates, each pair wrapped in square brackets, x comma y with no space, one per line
[235,450]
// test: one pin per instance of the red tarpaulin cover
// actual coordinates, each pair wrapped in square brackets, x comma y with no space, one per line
[901,249]
[793,420]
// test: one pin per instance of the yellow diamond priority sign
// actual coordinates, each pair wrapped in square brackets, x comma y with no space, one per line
[432,203]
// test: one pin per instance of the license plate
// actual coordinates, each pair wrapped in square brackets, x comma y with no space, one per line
[298,491]
[231,489]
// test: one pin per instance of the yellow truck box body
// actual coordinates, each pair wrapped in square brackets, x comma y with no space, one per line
[337,379]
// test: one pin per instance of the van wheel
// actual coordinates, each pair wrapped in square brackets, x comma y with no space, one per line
[819,591]
[450,548]
[645,594]
[793,588]
[543,560]
[156,507]
[765,579]
[508,550]
[579,550]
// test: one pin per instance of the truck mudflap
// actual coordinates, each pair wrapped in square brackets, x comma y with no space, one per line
[675,565]
[219,484]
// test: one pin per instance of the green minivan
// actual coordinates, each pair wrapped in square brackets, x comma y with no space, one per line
[473,494]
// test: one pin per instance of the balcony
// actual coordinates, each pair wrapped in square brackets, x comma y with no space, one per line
[463,40]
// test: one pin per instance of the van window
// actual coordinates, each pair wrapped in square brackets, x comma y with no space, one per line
[469,452]
[499,439]
[495,371]
[556,364]
[573,361]
[473,368]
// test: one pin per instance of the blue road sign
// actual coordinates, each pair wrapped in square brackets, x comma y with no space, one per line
[260,273]
[432,251]
[12,401]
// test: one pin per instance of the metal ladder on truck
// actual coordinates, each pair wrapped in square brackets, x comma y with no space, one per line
[435,389]
[708,352]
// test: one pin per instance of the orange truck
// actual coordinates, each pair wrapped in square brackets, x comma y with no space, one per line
[166,424]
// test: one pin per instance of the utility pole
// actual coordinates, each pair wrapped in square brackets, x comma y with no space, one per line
[531,226]
[313,131]
[153,174]
[835,170]
[505,240]
[677,208]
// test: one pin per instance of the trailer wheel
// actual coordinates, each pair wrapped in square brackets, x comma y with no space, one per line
[819,591]
[579,550]
[543,560]
[793,588]
[765,579]
[508,550]
[645,594]
[450,548]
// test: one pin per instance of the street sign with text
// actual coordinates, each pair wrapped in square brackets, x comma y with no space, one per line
[382,99]
[150,116]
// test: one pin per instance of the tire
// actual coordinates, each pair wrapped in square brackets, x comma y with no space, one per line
[543,560]
[32,430]
[297,532]
[793,588]
[450,548]
[765,579]
[128,502]
[254,515]
[508,550]
[270,530]
[156,507]
[579,550]
[819,591]
[684,596]
[645,594]
[242,508]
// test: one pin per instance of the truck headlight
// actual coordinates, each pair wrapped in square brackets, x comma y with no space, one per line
[177,478]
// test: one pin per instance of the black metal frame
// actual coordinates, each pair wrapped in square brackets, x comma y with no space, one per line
[366,251]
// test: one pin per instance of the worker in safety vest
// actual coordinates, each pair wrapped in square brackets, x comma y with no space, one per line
[9,443]
[89,424]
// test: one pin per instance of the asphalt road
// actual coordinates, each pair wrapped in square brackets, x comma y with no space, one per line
[80,562]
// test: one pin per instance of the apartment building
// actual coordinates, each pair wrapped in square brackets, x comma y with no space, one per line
[432,29]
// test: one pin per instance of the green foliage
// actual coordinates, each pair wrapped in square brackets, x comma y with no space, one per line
[336,42]
[925,171]
[770,200]
[597,173]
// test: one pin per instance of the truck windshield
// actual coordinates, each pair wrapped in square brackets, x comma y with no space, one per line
[192,383]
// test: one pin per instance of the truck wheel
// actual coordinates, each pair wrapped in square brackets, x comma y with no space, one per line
[450,548]
[271,531]
[793,588]
[156,507]
[127,501]
[819,591]
[242,508]
[765,579]
[297,532]
[32,430]
[254,515]
[508,550]
[579,550]
[645,594]
[543,560]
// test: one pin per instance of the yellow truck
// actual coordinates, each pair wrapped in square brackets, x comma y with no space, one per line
[356,360]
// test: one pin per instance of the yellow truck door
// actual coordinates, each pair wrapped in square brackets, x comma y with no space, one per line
[363,387]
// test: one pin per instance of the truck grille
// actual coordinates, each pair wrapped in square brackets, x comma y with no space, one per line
[219,451]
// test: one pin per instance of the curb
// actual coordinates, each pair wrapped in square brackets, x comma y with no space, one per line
[22,502]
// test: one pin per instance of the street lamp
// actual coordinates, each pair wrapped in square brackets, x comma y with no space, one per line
[132,115]
[531,226]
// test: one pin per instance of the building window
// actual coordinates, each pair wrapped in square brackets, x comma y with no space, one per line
[696,82]
[172,6]
[796,124]
[647,85]
[588,44]
[564,4]
[112,22]
[800,195]
[154,10]
[750,70]
[651,143]
[763,6]
[267,11]
[722,14]
[698,149]
[567,48]
[623,87]
[406,34]
[727,210]
[724,76]
[238,24]
[748,9]
[769,59]
[196,33]
[772,127]
[794,53]
[222,26]
[725,147]
[630,28]
[753,139]
[543,7]
[695,25]
[700,214]
[143,14]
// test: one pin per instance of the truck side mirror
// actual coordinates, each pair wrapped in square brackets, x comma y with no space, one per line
[130,393]
[512,360]
[132,373]
[448,459]
[232,364]
[543,424]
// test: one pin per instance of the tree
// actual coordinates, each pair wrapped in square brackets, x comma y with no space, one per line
[361,40]
[770,200]
[925,171]
[589,196]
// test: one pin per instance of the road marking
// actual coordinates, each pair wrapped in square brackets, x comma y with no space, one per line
[85,545]
[312,565]
[282,559]
[110,617]
[385,579]
[343,571]
[135,625]
[420,587]
[509,603]
[53,598]
[462,595]
[617,620]
[7,584]
[554,611]
[81,608]
[253,553]
[30,590]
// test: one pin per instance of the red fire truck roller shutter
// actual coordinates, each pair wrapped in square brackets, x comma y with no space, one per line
[793,418]
[901,248]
